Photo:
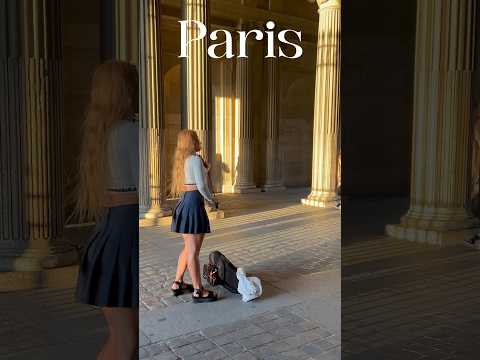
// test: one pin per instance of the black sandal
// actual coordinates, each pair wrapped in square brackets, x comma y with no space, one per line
[182,287]
[201,299]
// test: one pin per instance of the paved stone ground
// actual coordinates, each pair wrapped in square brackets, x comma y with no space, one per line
[294,249]
[405,300]
[275,335]
[48,324]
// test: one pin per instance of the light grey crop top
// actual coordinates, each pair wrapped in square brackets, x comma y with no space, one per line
[196,174]
[123,156]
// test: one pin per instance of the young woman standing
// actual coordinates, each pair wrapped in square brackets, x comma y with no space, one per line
[107,194]
[190,217]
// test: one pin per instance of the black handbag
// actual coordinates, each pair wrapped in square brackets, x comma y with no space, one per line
[221,271]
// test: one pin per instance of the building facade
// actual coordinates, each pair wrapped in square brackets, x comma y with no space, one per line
[267,124]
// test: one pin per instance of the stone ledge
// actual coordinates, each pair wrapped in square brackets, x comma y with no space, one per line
[60,278]
[319,203]
[167,220]
[440,238]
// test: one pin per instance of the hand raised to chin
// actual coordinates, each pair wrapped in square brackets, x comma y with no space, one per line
[205,164]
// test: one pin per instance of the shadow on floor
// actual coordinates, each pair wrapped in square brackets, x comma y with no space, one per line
[405,300]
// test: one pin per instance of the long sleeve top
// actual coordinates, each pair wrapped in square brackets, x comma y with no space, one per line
[196,174]
[123,156]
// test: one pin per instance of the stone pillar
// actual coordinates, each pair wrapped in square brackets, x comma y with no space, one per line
[126,30]
[14,233]
[244,140]
[32,168]
[441,124]
[327,106]
[198,91]
[223,146]
[272,178]
[152,190]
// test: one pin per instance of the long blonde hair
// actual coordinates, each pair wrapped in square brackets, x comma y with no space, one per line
[113,97]
[187,144]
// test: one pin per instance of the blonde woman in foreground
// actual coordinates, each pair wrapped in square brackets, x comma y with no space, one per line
[107,194]
[190,217]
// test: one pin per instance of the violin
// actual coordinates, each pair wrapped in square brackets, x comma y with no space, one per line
[209,179]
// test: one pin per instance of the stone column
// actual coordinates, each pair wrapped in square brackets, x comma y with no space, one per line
[244,140]
[126,30]
[441,124]
[327,106]
[272,178]
[31,157]
[198,92]
[152,190]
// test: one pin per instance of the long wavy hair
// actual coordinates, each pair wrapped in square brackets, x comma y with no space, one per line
[187,144]
[113,97]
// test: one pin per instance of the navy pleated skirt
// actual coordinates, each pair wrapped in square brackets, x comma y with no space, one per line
[108,274]
[190,216]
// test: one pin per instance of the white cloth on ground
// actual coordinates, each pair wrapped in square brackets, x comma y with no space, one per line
[249,287]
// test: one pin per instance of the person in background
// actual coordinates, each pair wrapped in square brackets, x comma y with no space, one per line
[475,193]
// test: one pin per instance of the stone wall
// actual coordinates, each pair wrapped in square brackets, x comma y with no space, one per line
[296,98]
[378,47]
[81,46]
[297,94]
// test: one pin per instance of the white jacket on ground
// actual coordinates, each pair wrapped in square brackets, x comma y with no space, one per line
[249,287]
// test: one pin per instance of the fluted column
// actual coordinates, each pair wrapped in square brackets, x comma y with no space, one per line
[32,178]
[152,190]
[126,30]
[244,138]
[441,124]
[14,232]
[272,178]
[197,91]
[326,125]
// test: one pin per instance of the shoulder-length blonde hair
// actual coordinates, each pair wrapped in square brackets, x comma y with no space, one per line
[187,144]
[113,97]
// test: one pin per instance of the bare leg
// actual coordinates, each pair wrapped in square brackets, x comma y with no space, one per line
[193,264]
[122,341]
[181,267]
[193,244]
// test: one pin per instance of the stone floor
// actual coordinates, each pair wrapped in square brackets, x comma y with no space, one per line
[400,300]
[405,300]
[46,324]
[294,249]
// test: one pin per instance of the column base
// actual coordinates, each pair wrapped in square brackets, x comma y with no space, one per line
[273,187]
[29,259]
[62,278]
[321,199]
[434,237]
[40,255]
[245,189]
[227,189]
[154,212]
[60,260]
[439,219]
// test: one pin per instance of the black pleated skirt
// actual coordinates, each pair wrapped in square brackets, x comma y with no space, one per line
[190,216]
[108,274]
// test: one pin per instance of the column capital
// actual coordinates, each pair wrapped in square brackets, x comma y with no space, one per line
[322,4]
